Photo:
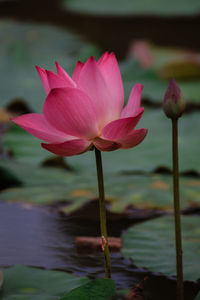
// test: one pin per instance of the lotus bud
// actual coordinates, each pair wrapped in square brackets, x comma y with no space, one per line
[173,104]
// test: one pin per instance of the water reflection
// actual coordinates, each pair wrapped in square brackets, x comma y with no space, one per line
[37,237]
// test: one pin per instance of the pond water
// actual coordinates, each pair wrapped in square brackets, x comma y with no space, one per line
[40,237]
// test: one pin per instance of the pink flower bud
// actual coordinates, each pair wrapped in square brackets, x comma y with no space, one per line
[173,104]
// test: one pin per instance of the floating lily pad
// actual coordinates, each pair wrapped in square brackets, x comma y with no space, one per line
[150,192]
[127,7]
[152,245]
[46,185]
[30,283]
[155,151]
[25,147]
[24,45]
[141,192]
[99,289]
[49,185]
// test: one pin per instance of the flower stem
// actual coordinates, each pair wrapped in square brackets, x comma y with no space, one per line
[177,215]
[107,264]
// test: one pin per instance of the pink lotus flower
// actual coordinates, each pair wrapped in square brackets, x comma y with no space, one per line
[86,110]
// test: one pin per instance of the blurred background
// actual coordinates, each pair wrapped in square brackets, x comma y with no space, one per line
[153,40]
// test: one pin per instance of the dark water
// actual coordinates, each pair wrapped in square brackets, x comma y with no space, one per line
[37,237]
[40,237]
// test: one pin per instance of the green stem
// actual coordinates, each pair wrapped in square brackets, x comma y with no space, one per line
[177,215]
[107,264]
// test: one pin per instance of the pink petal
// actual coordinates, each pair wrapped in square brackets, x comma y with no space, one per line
[77,71]
[44,79]
[37,125]
[92,83]
[133,105]
[120,128]
[69,148]
[61,73]
[105,145]
[71,111]
[56,81]
[103,57]
[111,73]
[133,139]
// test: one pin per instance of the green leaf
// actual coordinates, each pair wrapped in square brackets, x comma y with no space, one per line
[26,148]
[30,283]
[155,150]
[149,192]
[152,245]
[31,45]
[45,185]
[127,7]
[99,289]
[48,185]
[197,297]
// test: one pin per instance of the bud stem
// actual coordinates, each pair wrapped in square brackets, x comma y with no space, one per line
[102,208]
[177,215]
